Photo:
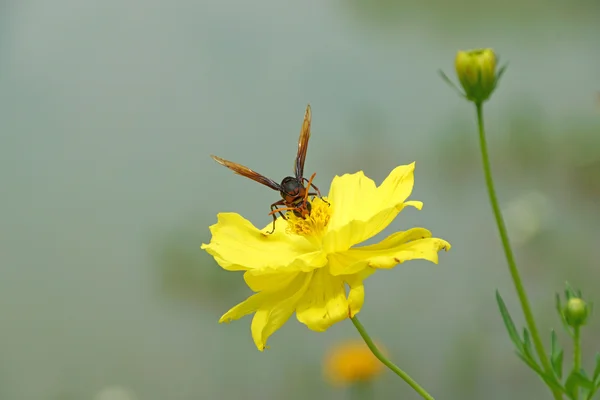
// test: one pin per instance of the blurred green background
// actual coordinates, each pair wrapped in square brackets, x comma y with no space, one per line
[109,111]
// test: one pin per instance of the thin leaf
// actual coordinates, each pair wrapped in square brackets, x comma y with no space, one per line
[592,393]
[527,348]
[596,374]
[550,380]
[561,314]
[556,355]
[578,380]
[584,374]
[570,292]
[452,84]
[532,364]
[500,73]
[508,322]
[559,304]
[557,364]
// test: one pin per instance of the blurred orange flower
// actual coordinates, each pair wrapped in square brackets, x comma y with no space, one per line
[350,362]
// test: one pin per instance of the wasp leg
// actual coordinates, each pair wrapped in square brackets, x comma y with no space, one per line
[306,191]
[313,186]
[274,213]
[317,189]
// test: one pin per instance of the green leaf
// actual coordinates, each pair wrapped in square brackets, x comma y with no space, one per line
[556,355]
[553,383]
[578,380]
[532,364]
[585,375]
[500,73]
[508,322]
[561,314]
[596,374]
[592,393]
[550,380]
[559,307]
[527,348]
[570,292]
[589,386]
[452,84]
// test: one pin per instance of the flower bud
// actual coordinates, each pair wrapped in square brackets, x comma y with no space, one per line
[576,312]
[476,71]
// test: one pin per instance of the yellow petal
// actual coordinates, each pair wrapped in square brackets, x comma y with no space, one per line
[355,260]
[272,279]
[356,200]
[324,303]
[356,196]
[259,321]
[277,310]
[259,281]
[236,244]
[356,295]
[358,231]
[423,249]
[349,195]
[248,306]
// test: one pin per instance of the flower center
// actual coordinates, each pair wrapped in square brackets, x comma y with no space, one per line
[315,224]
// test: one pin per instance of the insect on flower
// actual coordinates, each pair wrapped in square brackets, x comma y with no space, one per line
[294,195]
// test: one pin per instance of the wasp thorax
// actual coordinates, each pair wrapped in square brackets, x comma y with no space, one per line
[290,186]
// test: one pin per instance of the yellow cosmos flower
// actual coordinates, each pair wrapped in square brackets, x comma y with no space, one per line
[305,266]
[351,362]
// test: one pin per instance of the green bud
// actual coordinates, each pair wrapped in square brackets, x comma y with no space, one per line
[576,312]
[476,71]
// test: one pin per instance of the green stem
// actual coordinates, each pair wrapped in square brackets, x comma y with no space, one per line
[388,363]
[576,354]
[512,266]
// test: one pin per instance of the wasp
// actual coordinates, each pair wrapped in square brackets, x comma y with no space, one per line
[294,195]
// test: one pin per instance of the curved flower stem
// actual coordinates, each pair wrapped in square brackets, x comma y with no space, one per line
[388,363]
[512,266]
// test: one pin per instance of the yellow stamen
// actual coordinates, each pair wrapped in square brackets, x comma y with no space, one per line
[315,224]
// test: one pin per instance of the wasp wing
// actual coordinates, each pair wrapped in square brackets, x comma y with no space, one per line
[248,173]
[303,144]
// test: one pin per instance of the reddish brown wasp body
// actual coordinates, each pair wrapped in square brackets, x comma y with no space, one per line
[293,193]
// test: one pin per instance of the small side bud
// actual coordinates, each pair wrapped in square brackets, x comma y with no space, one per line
[476,71]
[576,312]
